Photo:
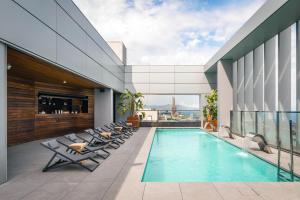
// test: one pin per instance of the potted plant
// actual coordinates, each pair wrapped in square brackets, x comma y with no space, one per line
[131,102]
[210,111]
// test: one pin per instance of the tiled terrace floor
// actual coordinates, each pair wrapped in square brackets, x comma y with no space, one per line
[119,178]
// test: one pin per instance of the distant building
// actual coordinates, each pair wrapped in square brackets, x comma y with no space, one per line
[173,106]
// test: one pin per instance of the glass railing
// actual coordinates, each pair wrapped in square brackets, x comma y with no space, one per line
[273,125]
[169,115]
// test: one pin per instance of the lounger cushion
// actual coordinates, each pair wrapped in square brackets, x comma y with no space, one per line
[106,134]
[78,146]
[119,128]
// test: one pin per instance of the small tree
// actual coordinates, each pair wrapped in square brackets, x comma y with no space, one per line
[131,102]
[211,107]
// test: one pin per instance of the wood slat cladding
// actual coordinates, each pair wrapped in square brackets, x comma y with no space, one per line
[20,110]
[24,122]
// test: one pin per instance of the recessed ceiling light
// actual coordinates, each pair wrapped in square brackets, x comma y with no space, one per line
[9,66]
[65,82]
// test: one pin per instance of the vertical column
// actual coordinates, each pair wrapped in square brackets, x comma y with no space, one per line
[270,89]
[284,85]
[234,82]
[240,84]
[224,91]
[298,82]
[284,70]
[258,78]
[235,120]
[249,106]
[270,74]
[240,94]
[249,116]
[298,63]
[103,107]
[258,86]
[3,113]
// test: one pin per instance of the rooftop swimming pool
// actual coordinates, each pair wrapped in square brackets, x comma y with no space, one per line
[192,155]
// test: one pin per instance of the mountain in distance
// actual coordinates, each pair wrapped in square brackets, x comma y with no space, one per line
[169,107]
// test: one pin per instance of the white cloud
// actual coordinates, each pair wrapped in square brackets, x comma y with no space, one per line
[166,34]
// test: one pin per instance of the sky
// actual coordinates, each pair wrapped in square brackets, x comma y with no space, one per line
[168,31]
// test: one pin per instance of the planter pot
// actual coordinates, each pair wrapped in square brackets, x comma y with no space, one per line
[208,125]
[135,120]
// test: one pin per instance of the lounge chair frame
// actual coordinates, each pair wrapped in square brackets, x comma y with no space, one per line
[64,159]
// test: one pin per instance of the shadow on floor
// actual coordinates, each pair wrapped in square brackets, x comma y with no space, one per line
[27,181]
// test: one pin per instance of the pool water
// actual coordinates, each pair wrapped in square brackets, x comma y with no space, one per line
[192,155]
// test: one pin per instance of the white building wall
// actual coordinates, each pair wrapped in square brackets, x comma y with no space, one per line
[284,84]
[103,107]
[270,74]
[59,33]
[258,78]
[119,48]
[298,64]
[240,84]
[249,106]
[284,70]
[225,91]
[234,82]
[169,79]
[3,114]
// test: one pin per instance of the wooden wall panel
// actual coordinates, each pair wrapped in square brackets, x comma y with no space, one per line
[24,122]
[20,110]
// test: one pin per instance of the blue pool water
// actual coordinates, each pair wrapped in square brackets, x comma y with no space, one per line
[192,155]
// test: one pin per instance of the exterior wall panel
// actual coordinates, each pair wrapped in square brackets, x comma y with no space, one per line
[284,70]
[68,55]
[58,32]
[270,88]
[26,31]
[161,68]
[42,9]
[258,78]
[135,68]
[103,104]
[169,79]
[240,84]
[194,88]
[162,78]
[137,77]
[195,78]
[69,7]
[234,83]
[298,64]
[70,30]
[138,87]
[249,82]
[270,74]
[189,68]
[161,88]
[3,114]
[225,90]
[284,83]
